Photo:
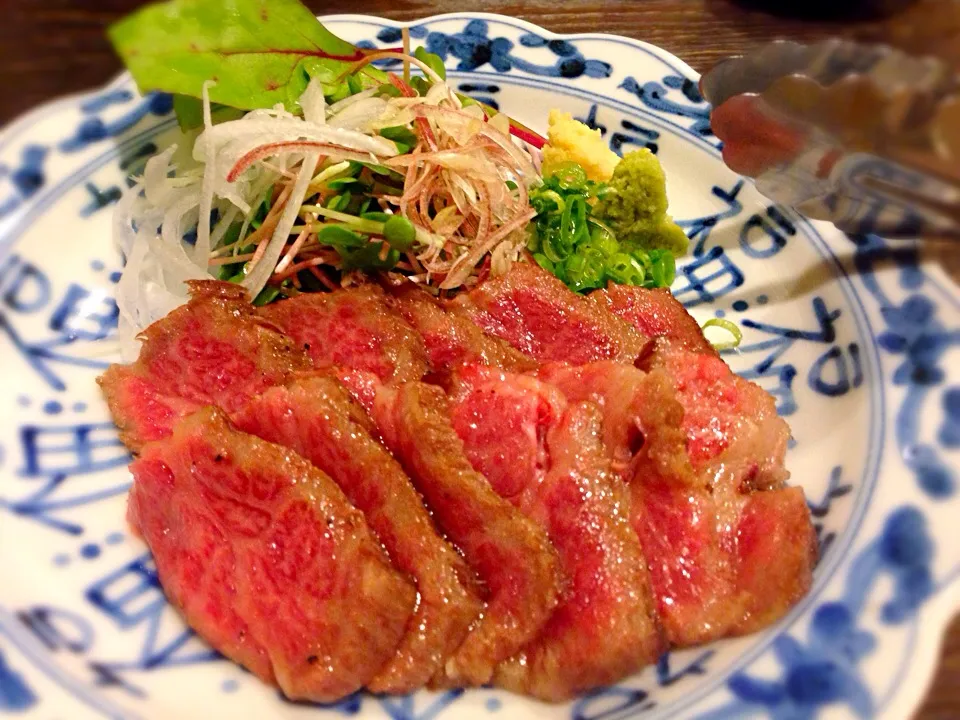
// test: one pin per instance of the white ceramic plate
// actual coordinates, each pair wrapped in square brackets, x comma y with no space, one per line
[858,339]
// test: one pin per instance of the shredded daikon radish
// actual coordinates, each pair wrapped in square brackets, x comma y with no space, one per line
[202,248]
[258,276]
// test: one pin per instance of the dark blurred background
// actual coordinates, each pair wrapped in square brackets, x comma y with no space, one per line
[49,48]
[52,47]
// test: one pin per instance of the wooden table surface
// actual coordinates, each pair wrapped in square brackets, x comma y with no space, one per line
[52,47]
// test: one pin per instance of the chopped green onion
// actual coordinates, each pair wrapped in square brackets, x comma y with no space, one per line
[662,266]
[603,241]
[730,328]
[554,197]
[544,262]
[570,176]
[623,269]
[552,253]
[584,272]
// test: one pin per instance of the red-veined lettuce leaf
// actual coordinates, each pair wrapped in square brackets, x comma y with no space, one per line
[258,52]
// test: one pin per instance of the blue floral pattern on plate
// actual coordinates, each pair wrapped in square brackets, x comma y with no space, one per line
[856,338]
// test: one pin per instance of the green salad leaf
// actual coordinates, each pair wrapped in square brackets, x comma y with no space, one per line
[257,52]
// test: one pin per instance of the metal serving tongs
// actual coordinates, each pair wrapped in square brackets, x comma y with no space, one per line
[863,136]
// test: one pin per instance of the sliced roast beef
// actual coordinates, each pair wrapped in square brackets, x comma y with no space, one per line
[626,394]
[510,553]
[734,435]
[690,516]
[503,420]
[267,560]
[776,552]
[214,350]
[352,328]
[538,315]
[451,337]
[655,313]
[316,417]
[605,626]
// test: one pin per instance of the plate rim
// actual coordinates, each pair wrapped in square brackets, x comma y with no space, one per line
[938,611]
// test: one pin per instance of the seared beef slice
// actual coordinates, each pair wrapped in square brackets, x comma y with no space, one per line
[655,313]
[555,470]
[540,316]
[510,553]
[735,438]
[212,351]
[352,328]
[451,337]
[705,531]
[267,560]
[316,417]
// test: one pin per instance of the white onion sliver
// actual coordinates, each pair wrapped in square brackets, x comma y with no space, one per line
[313,103]
[360,116]
[156,184]
[202,248]
[264,131]
[172,229]
[258,277]
[222,226]
[350,100]
[124,234]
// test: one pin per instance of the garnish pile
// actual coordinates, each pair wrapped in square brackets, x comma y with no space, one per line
[313,167]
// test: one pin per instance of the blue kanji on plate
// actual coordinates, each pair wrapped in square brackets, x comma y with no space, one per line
[59,630]
[131,597]
[53,455]
[630,133]
[473,48]
[707,277]
[79,314]
[836,371]
[819,509]
[675,96]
